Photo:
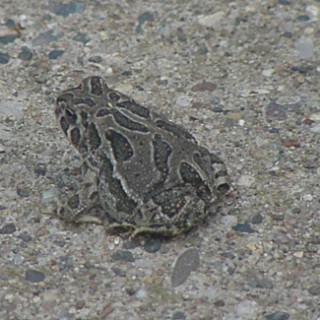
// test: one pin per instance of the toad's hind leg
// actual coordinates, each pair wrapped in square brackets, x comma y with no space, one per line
[167,214]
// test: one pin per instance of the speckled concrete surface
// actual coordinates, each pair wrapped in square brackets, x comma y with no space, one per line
[243,77]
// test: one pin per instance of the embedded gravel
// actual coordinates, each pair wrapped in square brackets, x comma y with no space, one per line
[243,77]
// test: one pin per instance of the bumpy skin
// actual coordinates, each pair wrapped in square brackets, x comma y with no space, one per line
[151,175]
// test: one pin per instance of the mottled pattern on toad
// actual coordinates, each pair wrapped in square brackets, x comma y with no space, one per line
[150,175]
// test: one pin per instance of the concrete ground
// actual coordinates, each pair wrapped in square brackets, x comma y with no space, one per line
[243,78]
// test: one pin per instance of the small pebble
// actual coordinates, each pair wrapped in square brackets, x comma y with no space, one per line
[60,243]
[123,255]
[55,54]
[298,254]
[292,143]
[24,236]
[245,309]
[10,23]
[80,304]
[82,37]
[34,276]
[296,210]
[204,86]
[303,18]
[304,47]
[276,111]
[183,101]
[287,34]
[95,59]
[285,2]
[229,220]
[250,9]
[4,58]
[23,193]
[25,54]
[212,20]
[40,169]
[268,72]
[8,228]
[179,315]
[127,73]
[309,31]
[141,293]
[315,128]
[188,261]
[313,248]
[274,130]
[219,303]
[69,8]
[280,315]
[181,35]
[144,17]
[218,109]
[152,245]
[7,39]
[312,10]
[307,197]
[257,219]
[243,227]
